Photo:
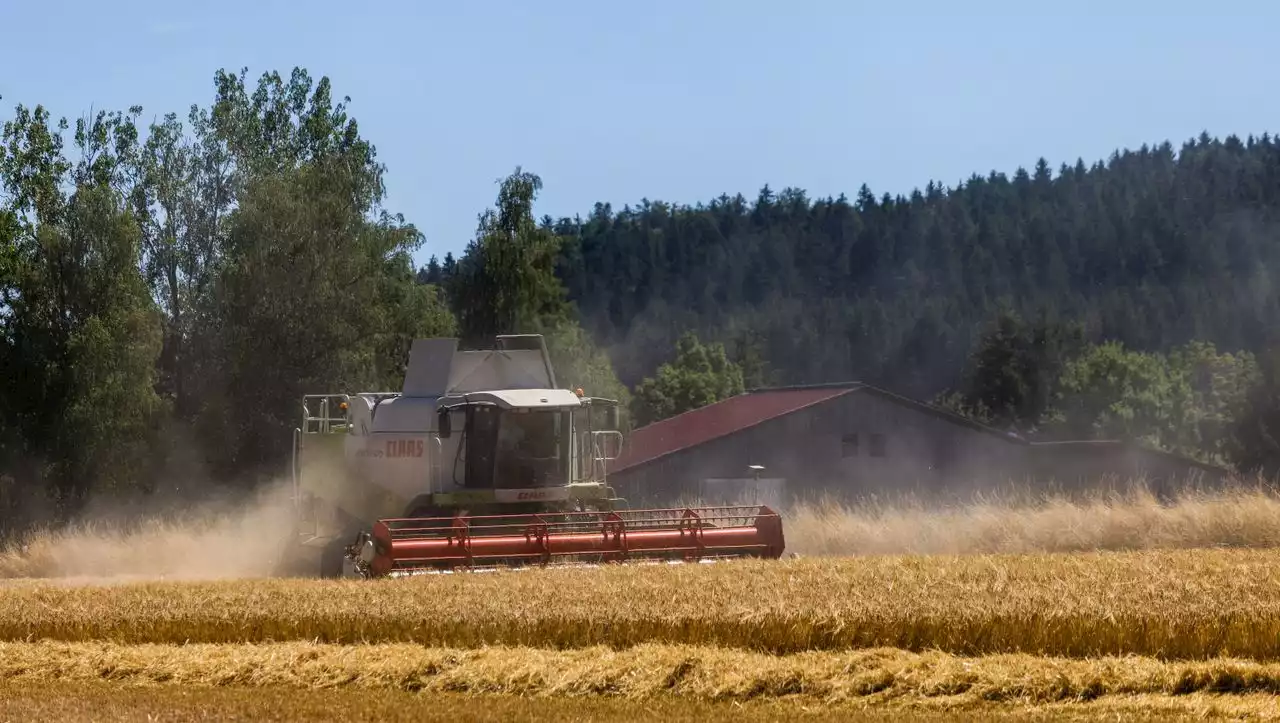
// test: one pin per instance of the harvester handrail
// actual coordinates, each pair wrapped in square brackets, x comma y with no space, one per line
[293,471]
[599,434]
[324,422]
[704,512]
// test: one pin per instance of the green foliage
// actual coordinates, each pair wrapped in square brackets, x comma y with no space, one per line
[182,203]
[699,375]
[410,311]
[1254,445]
[304,270]
[506,283]
[208,275]
[1214,388]
[9,231]
[1111,392]
[113,421]
[81,331]
[1012,374]
[1186,401]
[305,264]
[1043,379]
[747,349]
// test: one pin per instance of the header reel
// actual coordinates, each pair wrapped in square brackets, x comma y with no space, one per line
[398,547]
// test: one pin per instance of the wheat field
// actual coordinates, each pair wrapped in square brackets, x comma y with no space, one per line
[1168,604]
[710,674]
[1112,603]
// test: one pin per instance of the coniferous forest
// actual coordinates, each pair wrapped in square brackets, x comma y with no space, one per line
[169,291]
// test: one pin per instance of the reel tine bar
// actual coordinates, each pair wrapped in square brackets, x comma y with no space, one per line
[687,534]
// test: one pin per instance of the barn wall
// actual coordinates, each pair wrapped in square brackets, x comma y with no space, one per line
[1086,463]
[861,444]
[778,444]
[878,445]
[815,450]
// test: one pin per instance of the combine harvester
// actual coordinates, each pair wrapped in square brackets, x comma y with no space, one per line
[481,462]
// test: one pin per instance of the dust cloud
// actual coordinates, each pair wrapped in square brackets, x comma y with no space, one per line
[248,538]
[241,538]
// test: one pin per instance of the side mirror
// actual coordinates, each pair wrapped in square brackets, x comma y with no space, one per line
[445,423]
[611,417]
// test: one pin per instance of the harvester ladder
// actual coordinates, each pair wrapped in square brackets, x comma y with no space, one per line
[602,452]
[330,418]
[435,467]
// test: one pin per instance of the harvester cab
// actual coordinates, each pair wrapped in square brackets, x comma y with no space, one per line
[481,459]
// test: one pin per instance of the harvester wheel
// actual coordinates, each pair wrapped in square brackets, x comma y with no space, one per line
[332,555]
[331,559]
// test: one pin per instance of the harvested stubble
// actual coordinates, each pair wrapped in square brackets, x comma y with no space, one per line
[1168,604]
[655,671]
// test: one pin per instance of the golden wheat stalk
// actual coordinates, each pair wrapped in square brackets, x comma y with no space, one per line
[1168,604]
[1129,517]
[711,674]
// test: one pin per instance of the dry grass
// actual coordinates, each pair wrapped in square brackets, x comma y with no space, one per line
[1167,604]
[872,678]
[1129,517]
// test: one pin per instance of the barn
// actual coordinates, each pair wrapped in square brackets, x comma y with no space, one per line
[772,446]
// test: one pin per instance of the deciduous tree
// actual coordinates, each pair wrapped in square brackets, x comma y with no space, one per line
[699,375]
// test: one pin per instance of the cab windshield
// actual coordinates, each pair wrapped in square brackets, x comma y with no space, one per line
[532,448]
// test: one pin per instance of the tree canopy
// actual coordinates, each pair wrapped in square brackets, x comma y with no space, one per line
[699,375]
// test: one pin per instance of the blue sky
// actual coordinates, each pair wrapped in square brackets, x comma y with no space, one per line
[678,100]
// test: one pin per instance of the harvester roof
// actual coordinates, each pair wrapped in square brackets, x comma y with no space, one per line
[522,398]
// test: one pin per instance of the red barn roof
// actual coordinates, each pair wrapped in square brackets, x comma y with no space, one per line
[725,417]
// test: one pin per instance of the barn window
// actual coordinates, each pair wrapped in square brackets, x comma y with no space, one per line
[849,445]
[877,445]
